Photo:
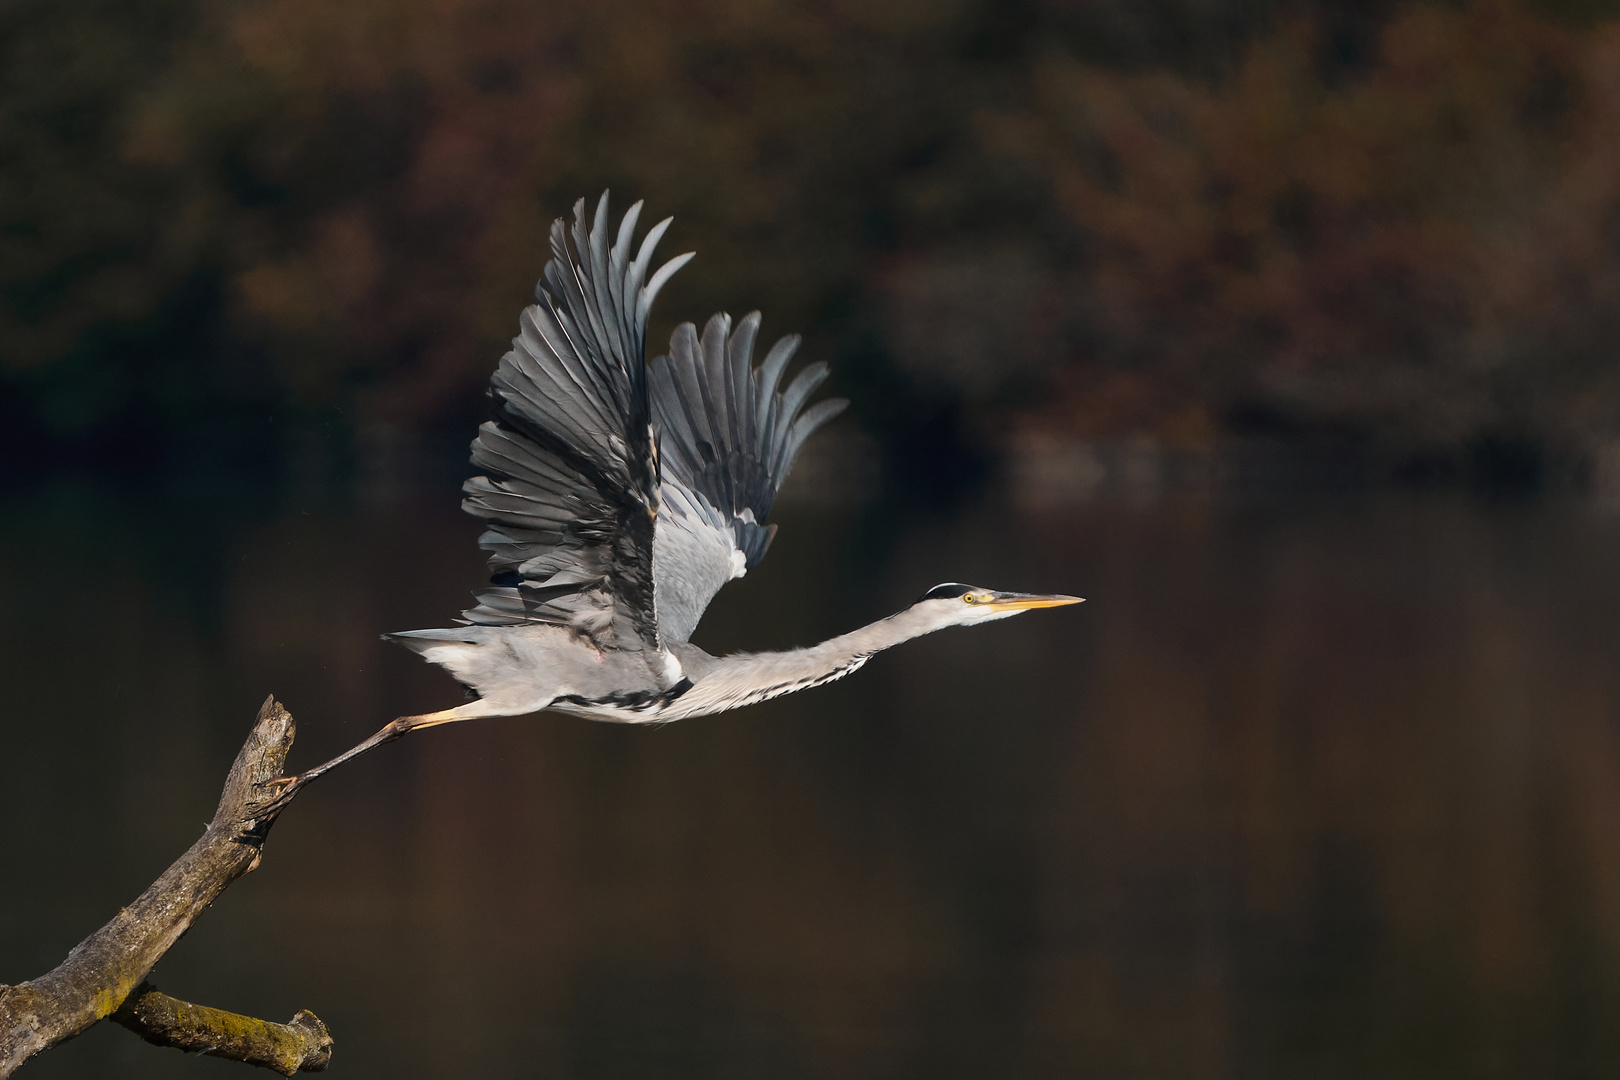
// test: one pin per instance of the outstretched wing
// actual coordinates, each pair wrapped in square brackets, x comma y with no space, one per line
[727,439]
[571,486]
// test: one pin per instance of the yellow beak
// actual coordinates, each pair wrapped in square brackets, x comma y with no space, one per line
[1024,601]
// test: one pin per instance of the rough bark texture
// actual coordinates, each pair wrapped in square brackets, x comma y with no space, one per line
[302,1043]
[102,971]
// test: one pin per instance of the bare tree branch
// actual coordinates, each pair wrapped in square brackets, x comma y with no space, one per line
[301,1044]
[102,971]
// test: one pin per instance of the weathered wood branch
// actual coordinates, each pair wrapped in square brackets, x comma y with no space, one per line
[102,971]
[301,1044]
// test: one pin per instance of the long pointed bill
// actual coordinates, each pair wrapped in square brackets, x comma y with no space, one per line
[1012,601]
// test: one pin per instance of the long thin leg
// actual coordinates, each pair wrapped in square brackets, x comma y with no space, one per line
[395,729]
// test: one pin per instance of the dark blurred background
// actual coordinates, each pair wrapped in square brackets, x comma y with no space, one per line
[1380,235]
[1282,331]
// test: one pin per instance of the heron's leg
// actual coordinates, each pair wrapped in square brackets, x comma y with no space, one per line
[393,730]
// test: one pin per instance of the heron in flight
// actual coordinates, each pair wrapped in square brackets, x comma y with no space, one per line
[620,495]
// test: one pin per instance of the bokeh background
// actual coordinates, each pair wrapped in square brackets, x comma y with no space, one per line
[1283,331]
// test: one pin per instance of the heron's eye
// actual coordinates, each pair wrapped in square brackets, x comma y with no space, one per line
[970,598]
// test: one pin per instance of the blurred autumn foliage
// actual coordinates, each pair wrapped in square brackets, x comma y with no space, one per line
[230,226]
[1418,255]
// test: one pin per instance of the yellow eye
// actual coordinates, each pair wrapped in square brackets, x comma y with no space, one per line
[970,598]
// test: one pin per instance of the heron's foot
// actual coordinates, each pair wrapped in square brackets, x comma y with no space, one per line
[281,790]
[289,786]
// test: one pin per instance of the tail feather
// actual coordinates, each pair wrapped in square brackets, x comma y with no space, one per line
[420,641]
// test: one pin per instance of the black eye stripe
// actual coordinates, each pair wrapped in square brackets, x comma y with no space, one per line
[948,591]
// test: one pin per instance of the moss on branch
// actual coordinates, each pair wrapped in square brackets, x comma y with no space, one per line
[301,1044]
[102,972]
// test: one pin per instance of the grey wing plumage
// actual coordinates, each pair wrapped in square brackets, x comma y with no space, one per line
[727,438]
[570,490]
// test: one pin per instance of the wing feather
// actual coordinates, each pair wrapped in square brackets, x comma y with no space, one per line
[569,489]
[727,441]
[620,496]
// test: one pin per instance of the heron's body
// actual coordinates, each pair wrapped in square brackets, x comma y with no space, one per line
[518,670]
[621,494]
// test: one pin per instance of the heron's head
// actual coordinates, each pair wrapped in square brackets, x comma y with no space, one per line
[955,604]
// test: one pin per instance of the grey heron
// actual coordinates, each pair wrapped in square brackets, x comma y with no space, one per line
[619,495]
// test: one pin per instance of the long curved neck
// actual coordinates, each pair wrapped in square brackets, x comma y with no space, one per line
[729,682]
[886,633]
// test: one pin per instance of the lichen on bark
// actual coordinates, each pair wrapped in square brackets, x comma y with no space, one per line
[101,974]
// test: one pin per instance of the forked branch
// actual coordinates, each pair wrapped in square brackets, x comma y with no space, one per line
[301,1044]
[101,975]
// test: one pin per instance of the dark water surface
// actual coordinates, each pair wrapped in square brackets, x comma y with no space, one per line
[1310,788]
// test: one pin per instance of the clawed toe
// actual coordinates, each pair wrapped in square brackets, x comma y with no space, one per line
[281,791]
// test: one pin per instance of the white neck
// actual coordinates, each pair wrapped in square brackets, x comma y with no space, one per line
[745,678]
